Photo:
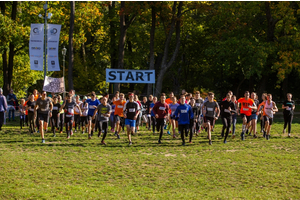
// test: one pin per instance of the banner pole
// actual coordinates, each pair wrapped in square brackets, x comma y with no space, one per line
[45,48]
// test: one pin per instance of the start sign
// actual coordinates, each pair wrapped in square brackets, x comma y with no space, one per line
[130,76]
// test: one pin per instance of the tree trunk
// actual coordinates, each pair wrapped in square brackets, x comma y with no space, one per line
[152,34]
[4,59]
[123,30]
[71,54]
[113,49]
[165,64]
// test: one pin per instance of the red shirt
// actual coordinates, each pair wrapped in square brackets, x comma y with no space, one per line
[161,109]
[245,106]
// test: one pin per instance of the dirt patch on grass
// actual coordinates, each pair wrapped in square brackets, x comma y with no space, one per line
[169,154]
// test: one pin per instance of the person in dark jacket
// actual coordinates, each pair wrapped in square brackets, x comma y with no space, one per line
[12,102]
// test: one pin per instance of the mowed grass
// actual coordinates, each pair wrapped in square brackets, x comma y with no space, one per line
[79,168]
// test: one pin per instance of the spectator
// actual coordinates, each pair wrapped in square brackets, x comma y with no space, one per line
[12,103]
[3,108]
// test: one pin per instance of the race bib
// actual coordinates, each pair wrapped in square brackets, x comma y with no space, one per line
[226,110]
[289,108]
[70,111]
[198,104]
[183,111]
[30,109]
[55,108]
[120,106]
[210,109]
[91,107]
[113,110]
[44,109]
[131,109]
[162,108]
[245,109]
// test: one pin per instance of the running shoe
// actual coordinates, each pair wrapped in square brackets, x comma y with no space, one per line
[118,136]
[103,143]
[289,135]
[186,134]
[267,137]
[99,134]
[190,142]
[283,131]
[82,132]
[169,133]
[255,136]
[210,142]
[174,136]
[183,144]
[71,132]
[242,136]
[90,137]
[225,141]
[116,133]
[247,131]
[92,133]
[75,131]
[68,137]
[264,135]
[43,141]
[54,135]
[130,143]
[159,142]
[165,127]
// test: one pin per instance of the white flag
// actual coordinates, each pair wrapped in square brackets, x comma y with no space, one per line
[52,47]
[56,85]
[36,47]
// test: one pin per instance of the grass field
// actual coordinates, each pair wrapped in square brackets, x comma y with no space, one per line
[79,168]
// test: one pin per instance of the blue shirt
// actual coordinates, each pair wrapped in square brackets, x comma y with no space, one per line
[173,108]
[151,106]
[185,113]
[91,106]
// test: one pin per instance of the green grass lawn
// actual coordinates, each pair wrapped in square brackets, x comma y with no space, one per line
[79,168]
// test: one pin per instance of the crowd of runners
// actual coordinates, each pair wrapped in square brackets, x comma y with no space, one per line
[187,116]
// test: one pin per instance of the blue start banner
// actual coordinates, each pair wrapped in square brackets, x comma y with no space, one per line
[130,76]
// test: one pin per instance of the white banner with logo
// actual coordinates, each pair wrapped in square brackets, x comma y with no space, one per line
[52,47]
[130,76]
[36,47]
[56,85]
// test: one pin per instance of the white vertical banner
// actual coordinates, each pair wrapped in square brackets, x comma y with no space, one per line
[36,47]
[52,47]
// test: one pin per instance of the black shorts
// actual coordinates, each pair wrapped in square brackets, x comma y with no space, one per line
[270,120]
[69,119]
[90,118]
[247,117]
[102,125]
[43,117]
[84,119]
[119,119]
[209,119]
[174,118]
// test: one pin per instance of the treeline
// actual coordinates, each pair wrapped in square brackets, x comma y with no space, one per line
[206,46]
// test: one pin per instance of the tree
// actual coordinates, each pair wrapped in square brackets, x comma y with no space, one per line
[71,51]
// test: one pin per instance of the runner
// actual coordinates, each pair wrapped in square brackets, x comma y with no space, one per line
[55,115]
[84,107]
[30,107]
[194,121]
[112,115]
[234,115]
[131,113]
[169,100]
[254,116]
[144,106]
[104,111]
[211,112]
[227,109]
[247,105]
[184,114]
[198,118]
[149,102]
[44,107]
[288,112]
[119,117]
[153,119]
[93,103]
[269,110]
[161,112]
[174,122]
[138,119]
[61,114]
[261,113]
[22,112]
[77,114]
[69,106]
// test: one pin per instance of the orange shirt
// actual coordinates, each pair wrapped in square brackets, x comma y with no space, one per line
[245,106]
[119,107]
[169,101]
[36,97]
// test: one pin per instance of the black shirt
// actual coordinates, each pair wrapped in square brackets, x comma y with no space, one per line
[130,109]
[290,104]
[224,105]
[31,105]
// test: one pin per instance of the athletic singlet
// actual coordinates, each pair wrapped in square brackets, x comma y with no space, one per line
[173,108]
[245,106]
[119,107]
[268,109]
